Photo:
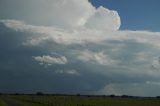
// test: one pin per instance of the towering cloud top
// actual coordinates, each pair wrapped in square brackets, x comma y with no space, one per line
[81,13]
[105,19]
[67,14]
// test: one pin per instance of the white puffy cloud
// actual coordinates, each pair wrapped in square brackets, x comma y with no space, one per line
[60,13]
[70,13]
[93,57]
[46,59]
[104,19]
[67,14]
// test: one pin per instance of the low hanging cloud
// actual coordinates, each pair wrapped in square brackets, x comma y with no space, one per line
[69,72]
[51,60]
[100,58]
[134,89]
[84,38]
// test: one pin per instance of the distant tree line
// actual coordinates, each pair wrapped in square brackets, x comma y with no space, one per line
[45,94]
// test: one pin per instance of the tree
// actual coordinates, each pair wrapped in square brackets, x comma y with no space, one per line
[112,95]
[39,93]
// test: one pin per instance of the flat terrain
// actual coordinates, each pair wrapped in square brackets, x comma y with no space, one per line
[34,100]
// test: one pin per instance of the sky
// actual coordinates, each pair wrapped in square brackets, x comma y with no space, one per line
[98,47]
[135,14]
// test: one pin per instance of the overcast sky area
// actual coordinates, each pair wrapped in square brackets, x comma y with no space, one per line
[99,47]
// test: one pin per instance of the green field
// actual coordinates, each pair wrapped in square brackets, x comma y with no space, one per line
[2,103]
[33,100]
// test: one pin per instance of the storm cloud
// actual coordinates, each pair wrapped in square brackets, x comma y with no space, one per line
[70,46]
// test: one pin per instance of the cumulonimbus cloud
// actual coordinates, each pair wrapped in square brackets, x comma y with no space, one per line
[76,25]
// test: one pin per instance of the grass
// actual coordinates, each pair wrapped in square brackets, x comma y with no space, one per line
[88,101]
[5,99]
[2,103]
[33,100]
[25,103]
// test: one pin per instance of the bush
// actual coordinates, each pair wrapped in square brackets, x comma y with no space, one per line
[112,95]
[39,93]
[78,94]
[158,97]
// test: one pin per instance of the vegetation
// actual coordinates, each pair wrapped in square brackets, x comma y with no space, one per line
[78,100]
[2,103]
